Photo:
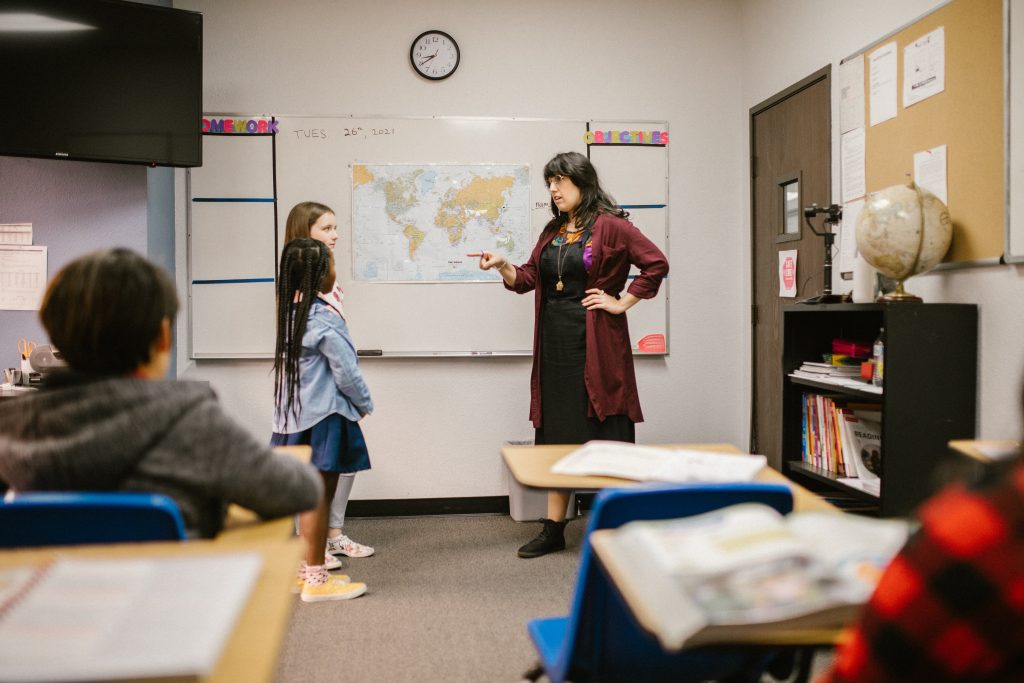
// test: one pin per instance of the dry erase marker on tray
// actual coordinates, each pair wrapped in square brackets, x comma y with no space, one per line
[370,352]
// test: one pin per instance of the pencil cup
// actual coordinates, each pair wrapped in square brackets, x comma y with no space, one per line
[26,367]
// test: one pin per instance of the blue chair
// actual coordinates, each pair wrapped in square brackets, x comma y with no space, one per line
[599,640]
[73,518]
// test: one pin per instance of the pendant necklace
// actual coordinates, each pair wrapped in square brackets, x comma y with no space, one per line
[558,285]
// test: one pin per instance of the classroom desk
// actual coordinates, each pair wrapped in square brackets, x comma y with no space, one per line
[531,466]
[985,451]
[251,653]
[640,603]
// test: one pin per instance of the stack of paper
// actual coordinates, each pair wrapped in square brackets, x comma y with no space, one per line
[647,463]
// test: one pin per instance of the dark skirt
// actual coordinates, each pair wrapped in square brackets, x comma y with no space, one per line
[564,401]
[338,445]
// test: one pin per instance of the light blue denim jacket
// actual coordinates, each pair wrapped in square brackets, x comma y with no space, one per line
[329,377]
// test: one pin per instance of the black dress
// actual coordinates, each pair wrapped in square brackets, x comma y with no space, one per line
[563,330]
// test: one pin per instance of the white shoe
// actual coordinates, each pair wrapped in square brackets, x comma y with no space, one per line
[331,562]
[343,545]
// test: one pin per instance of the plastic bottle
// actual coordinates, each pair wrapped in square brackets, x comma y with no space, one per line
[878,358]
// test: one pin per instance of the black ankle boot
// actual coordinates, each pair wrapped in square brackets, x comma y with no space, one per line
[550,539]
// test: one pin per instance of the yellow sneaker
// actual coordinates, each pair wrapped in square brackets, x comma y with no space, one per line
[296,587]
[331,589]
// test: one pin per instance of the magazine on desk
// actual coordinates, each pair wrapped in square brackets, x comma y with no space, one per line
[131,618]
[650,463]
[725,575]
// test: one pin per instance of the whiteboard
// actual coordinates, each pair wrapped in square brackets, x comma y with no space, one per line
[232,248]
[313,158]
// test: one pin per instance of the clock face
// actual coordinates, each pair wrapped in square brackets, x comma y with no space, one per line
[434,55]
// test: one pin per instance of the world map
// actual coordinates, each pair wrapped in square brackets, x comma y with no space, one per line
[416,223]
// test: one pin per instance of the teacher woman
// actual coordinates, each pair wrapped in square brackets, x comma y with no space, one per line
[582,386]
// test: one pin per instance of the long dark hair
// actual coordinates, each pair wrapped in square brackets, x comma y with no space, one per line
[594,199]
[306,270]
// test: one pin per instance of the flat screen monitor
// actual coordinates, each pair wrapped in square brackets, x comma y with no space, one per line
[101,80]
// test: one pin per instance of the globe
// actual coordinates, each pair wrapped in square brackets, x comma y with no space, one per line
[902,231]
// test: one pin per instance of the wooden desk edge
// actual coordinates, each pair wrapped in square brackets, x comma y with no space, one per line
[252,650]
[972,447]
[536,473]
[601,542]
[545,479]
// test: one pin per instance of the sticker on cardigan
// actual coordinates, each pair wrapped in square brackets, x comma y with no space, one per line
[652,343]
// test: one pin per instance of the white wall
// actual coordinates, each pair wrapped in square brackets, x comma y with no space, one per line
[786,40]
[439,423]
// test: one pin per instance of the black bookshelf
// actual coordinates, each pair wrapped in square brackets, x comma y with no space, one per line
[929,396]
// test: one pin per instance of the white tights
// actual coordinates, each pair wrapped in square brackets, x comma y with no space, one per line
[336,519]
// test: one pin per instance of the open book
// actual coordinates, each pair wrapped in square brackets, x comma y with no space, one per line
[79,619]
[649,463]
[745,570]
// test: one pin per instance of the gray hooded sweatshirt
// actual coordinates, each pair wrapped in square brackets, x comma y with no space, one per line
[83,433]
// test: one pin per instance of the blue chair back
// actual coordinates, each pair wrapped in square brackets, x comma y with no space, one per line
[74,518]
[602,641]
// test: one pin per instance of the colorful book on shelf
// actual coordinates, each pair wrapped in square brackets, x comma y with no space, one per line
[850,347]
[745,569]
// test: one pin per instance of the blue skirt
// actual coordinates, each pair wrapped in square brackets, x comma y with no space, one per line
[338,445]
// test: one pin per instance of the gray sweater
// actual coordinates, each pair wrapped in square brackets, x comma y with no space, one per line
[127,434]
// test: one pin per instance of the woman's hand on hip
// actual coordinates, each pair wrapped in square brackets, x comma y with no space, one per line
[597,298]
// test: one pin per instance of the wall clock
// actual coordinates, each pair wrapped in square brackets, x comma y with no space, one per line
[434,55]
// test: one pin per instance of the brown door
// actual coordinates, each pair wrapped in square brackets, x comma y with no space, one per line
[790,168]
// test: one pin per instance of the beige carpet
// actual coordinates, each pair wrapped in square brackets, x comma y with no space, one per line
[448,600]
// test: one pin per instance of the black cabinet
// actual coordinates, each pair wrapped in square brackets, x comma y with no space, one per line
[929,395]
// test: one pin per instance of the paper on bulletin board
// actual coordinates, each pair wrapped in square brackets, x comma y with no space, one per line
[787,272]
[930,171]
[15,233]
[924,67]
[848,238]
[851,94]
[22,277]
[853,178]
[883,83]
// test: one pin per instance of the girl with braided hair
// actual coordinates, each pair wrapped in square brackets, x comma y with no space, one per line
[317,221]
[319,398]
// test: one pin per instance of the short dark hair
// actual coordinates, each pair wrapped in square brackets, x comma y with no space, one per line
[103,310]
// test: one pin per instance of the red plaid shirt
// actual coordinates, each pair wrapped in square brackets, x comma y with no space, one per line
[950,607]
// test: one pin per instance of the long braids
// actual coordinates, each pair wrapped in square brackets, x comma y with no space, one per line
[305,265]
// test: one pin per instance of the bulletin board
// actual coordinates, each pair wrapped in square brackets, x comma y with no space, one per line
[967,117]
[1015,125]
[313,158]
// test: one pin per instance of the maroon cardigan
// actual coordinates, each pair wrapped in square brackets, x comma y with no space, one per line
[608,373]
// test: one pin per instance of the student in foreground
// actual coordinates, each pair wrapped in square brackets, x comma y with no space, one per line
[111,422]
[950,606]
[319,397]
